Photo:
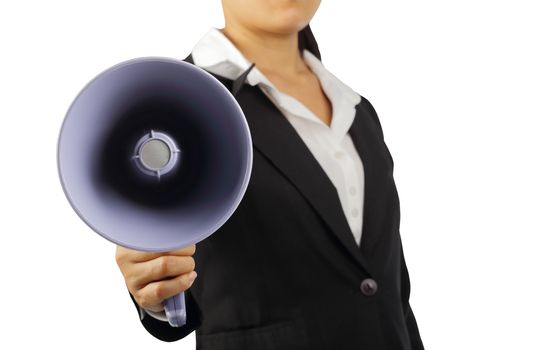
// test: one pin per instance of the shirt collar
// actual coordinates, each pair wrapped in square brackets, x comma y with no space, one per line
[215,53]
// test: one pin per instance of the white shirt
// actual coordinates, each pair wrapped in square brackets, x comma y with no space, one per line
[330,145]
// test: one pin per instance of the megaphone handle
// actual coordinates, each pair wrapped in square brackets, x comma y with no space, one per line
[175,310]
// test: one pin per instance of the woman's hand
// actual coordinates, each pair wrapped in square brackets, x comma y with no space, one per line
[153,277]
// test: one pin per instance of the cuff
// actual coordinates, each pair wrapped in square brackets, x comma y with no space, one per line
[161,316]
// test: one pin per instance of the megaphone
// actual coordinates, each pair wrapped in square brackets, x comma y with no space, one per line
[155,154]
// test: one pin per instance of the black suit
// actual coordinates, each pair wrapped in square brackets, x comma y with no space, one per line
[284,272]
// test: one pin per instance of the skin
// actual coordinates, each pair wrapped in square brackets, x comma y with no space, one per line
[265,31]
[153,277]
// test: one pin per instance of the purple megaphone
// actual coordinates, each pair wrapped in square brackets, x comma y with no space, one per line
[155,154]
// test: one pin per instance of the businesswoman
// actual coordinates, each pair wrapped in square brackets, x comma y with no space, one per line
[312,257]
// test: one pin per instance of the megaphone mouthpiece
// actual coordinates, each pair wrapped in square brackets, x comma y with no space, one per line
[156,154]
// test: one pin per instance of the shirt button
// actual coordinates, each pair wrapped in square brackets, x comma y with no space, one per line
[355,212]
[369,287]
[352,190]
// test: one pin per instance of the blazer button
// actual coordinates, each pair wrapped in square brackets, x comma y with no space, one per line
[369,287]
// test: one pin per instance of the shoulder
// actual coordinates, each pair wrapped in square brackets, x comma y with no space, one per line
[366,106]
[225,81]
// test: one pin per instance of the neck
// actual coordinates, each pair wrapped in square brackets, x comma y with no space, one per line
[272,53]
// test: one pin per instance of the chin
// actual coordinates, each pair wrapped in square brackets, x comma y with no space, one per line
[287,24]
[286,16]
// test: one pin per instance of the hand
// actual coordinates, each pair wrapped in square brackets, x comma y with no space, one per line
[153,277]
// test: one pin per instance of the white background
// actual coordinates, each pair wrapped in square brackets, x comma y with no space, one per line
[455,84]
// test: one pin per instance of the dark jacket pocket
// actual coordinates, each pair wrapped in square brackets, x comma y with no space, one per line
[283,335]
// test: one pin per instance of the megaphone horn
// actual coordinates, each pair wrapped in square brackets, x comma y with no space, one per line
[155,154]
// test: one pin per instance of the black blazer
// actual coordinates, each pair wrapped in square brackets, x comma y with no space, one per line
[284,272]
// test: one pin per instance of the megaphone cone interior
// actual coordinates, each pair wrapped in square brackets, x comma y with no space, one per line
[155,154]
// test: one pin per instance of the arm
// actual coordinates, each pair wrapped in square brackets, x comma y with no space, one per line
[411,324]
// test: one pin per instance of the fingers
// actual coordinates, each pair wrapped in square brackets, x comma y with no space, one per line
[139,256]
[189,250]
[154,277]
[155,293]
[162,267]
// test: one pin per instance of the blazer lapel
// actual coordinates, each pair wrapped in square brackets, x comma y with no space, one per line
[277,139]
[357,132]
[380,191]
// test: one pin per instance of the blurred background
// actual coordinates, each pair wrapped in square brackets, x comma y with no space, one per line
[455,85]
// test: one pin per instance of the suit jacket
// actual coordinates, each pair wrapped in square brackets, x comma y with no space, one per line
[284,272]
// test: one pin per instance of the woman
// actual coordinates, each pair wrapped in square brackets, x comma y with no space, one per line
[312,258]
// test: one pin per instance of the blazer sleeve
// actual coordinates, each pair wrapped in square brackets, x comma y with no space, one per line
[163,330]
[411,324]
